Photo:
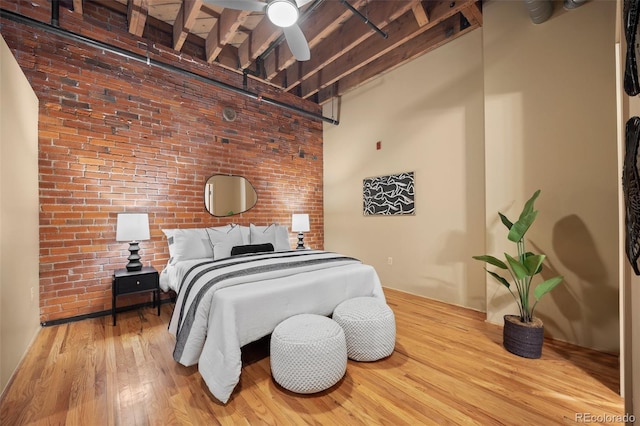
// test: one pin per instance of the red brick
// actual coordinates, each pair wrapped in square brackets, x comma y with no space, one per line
[146,145]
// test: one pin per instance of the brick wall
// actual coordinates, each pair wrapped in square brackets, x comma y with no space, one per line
[119,135]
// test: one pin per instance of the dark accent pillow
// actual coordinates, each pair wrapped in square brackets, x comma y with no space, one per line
[251,248]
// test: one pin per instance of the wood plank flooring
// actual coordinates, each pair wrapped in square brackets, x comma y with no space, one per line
[449,367]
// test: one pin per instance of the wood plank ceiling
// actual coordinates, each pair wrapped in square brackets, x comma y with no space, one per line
[345,51]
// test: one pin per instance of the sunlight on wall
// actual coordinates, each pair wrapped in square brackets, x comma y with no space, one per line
[504,183]
[19,246]
[551,125]
[428,117]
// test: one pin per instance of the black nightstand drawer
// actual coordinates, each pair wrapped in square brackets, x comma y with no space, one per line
[137,283]
[128,282]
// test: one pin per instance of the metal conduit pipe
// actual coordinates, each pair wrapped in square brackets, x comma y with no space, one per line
[539,10]
[171,68]
[55,13]
[364,19]
[572,4]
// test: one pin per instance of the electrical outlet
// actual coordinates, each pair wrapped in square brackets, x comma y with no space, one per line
[389,260]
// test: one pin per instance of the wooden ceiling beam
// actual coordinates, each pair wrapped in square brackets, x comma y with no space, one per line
[420,13]
[258,41]
[291,76]
[328,93]
[77,6]
[345,51]
[349,35]
[223,31]
[473,13]
[184,22]
[228,58]
[323,21]
[137,12]
[270,62]
[400,30]
[442,33]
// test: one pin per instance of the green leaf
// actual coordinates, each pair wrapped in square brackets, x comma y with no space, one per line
[518,268]
[521,226]
[528,206]
[527,216]
[546,286]
[505,221]
[533,263]
[527,254]
[492,261]
[499,279]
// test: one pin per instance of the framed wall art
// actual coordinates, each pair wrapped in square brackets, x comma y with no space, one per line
[631,191]
[389,195]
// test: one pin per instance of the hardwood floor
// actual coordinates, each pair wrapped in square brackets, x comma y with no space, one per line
[448,368]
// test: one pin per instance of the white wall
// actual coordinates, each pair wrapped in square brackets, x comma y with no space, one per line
[632,401]
[550,119]
[629,107]
[533,106]
[19,222]
[428,116]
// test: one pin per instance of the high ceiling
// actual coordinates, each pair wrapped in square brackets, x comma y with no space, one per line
[345,50]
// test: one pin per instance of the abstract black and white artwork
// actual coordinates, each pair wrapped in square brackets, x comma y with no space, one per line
[631,190]
[389,195]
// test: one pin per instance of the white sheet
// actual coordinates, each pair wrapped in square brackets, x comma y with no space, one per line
[240,314]
[172,275]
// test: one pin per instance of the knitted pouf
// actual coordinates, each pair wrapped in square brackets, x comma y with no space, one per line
[369,327]
[308,353]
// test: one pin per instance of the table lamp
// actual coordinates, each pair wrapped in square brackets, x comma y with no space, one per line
[300,224]
[133,227]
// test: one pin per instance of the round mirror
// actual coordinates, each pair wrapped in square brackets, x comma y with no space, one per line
[226,195]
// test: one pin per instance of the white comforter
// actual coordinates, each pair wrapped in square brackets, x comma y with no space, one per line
[244,307]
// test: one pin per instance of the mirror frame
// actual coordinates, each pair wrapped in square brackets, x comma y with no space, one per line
[211,211]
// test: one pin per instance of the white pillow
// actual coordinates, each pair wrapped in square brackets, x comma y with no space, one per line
[244,230]
[222,250]
[282,238]
[185,244]
[226,239]
[277,235]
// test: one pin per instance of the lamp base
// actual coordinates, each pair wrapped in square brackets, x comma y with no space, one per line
[300,245]
[134,258]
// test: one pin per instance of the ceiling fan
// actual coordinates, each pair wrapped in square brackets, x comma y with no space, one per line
[282,13]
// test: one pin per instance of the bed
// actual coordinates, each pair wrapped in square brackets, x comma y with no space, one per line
[227,301]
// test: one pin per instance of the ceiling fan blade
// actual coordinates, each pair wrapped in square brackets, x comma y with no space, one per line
[297,42]
[301,3]
[253,5]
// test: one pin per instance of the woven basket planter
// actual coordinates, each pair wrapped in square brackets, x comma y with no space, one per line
[523,339]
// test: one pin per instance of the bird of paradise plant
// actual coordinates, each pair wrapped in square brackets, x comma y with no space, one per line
[524,266]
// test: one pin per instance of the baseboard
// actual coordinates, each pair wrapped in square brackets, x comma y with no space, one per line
[100,313]
[13,374]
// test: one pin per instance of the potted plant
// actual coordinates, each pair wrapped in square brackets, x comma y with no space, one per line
[523,334]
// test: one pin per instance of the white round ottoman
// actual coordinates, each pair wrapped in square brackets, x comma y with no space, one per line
[308,353]
[369,327]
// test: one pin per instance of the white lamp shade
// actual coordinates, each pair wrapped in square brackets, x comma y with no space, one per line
[283,13]
[300,222]
[132,227]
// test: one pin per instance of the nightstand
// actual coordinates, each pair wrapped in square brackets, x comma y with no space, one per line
[129,282]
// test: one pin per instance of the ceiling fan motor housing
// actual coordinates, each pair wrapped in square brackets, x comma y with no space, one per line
[283,13]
